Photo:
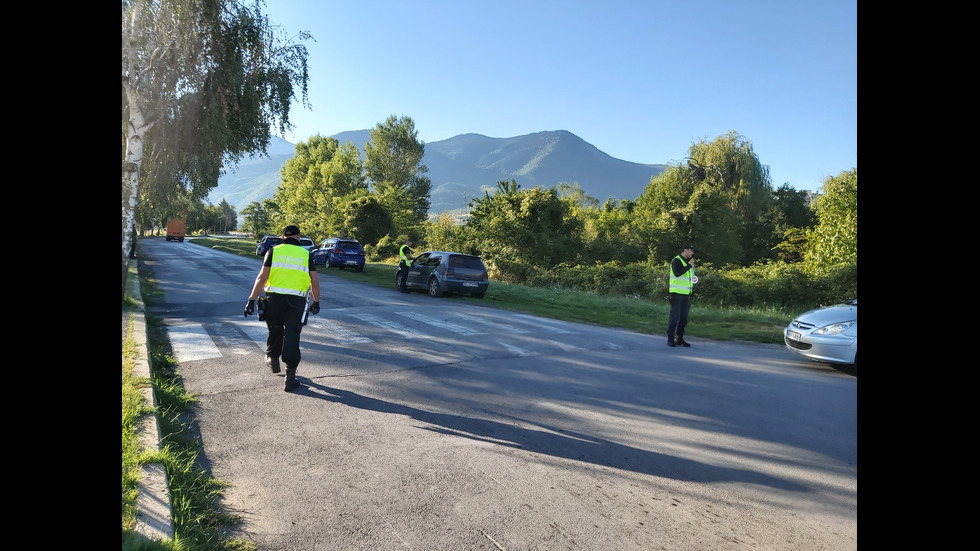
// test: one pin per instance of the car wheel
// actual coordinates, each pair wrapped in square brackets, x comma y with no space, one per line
[434,289]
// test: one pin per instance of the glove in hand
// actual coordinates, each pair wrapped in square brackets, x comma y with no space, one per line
[249,307]
[315,308]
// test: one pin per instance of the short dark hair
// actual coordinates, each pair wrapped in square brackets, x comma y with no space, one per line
[290,230]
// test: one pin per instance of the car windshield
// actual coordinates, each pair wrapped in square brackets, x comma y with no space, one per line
[273,240]
[461,261]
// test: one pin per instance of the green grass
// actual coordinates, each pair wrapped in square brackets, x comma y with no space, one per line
[643,316]
[198,519]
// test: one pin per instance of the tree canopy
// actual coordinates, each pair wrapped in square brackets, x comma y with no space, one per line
[203,83]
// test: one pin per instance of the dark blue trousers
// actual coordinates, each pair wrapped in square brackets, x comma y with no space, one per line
[680,305]
[284,318]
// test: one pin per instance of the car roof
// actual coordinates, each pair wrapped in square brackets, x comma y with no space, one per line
[449,252]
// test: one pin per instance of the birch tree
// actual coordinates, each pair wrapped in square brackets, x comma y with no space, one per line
[203,83]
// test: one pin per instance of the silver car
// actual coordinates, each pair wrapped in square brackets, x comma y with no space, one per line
[441,272]
[828,334]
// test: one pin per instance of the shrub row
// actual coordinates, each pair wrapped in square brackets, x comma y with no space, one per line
[772,285]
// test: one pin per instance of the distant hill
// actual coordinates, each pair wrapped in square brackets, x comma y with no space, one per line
[463,167]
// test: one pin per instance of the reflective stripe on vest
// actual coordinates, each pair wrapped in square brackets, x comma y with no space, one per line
[290,273]
[682,284]
[402,255]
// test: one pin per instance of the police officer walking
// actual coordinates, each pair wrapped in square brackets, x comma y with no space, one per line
[404,259]
[287,275]
[682,280]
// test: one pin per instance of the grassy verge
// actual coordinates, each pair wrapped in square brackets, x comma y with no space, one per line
[195,496]
[642,316]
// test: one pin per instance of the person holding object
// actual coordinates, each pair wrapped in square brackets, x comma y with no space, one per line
[287,276]
[682,280]
[404,259]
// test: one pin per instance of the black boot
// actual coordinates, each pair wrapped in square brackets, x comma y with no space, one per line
[670,340]
[291,382]
[273,364]
[682,342]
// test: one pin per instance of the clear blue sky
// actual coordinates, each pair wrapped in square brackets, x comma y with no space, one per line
[642,80]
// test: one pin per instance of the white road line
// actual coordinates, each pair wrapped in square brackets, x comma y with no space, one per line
[402,330]
[256,330]
[476,319]
[338,332]
[565,346]
[514,350]
[553,327]
[192,342]
[455,328]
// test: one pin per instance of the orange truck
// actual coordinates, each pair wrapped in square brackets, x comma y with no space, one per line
[176,229]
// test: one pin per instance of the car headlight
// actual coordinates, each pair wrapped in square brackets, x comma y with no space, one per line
[834,328]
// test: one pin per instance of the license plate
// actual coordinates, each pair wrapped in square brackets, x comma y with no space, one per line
[793,335]
[469,284]
[352,262]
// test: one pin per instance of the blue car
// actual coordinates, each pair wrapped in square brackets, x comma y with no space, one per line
[340,252]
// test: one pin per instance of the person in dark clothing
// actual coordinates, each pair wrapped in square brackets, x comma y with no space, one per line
[404,259]
[682,280]
[287,275]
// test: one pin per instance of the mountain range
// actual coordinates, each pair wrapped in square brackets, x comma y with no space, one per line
[463,167]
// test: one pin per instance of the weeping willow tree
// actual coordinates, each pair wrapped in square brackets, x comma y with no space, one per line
[714,199]
[203,83]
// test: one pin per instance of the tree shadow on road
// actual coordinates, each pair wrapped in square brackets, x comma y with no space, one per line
[555,442]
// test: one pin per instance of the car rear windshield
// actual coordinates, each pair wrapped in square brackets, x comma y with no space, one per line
[472,262]
[306,242]
[273,240]
[348,244]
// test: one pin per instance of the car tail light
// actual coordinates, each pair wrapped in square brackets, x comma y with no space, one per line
[338,250]
[485,275]
[362,253]
[450,272]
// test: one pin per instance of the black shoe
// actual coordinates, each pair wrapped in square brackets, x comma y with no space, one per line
[273,364]
[682,342]
[670,342]
[291,382]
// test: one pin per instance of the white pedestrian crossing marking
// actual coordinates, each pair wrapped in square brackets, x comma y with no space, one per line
[567,347]
[256,330]
[493,324]
[338,333]
[553,327]
[514,350]
[455,328]
[402,330]
[192,342]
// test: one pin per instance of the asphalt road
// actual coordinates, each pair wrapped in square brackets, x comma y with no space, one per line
[443,424]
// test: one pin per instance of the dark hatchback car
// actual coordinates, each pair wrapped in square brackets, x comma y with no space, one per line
[441,272]
[270,241]
[340,252]
[267,243]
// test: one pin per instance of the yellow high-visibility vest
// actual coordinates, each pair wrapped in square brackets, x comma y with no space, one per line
[682,285]
[290,273]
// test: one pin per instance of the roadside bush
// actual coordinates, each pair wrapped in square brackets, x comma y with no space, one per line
[771,285]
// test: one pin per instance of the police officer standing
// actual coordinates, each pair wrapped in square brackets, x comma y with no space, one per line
[288,274]
[404,259]
[682,280]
